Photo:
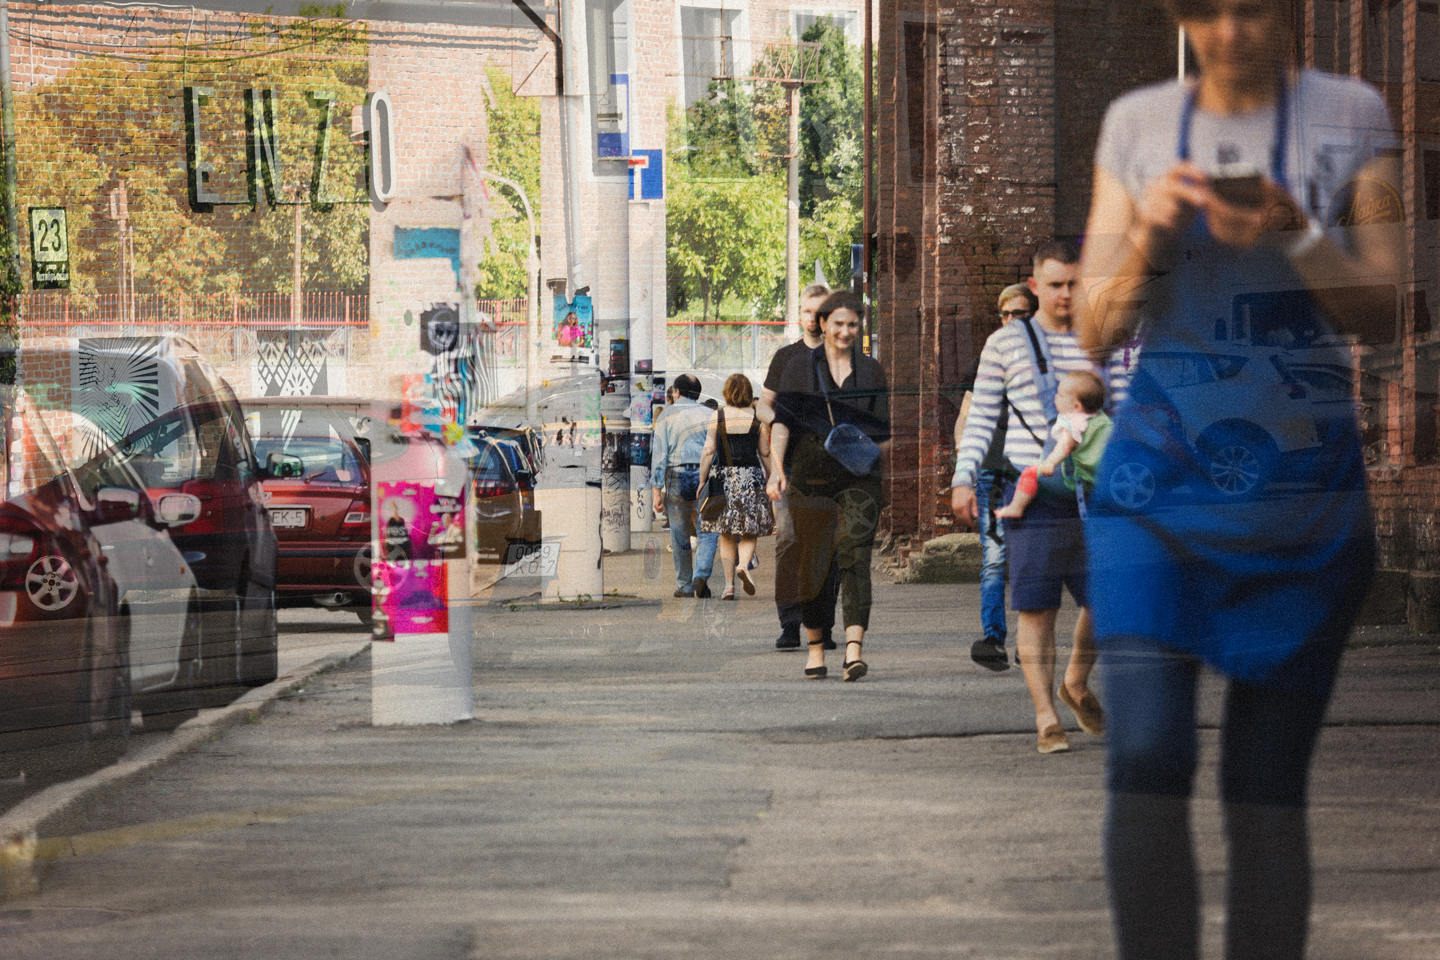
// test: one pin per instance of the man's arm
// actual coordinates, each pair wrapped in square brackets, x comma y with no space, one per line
[779,441]
[765,406]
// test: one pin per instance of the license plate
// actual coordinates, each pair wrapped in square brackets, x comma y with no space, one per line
[289,519]
[532,560]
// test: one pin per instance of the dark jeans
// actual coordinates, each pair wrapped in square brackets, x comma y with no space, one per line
[788,558]
[835,523]
[1267,740]
[992,490]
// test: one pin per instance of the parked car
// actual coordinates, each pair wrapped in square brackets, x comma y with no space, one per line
[504,506]
[174,421]
[322,515]
[64,647]
[1239,415]
[514,446]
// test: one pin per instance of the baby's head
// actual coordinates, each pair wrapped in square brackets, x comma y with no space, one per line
[1080,392]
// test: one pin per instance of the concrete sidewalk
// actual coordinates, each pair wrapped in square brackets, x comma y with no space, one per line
[652,779]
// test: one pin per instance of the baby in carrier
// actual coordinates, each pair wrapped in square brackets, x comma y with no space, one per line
[1080,431]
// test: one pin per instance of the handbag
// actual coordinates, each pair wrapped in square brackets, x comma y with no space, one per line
[850,446]
[712,500]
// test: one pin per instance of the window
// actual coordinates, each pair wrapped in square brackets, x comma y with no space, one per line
[708,48]
[1385,40]
[847,20]
[608,30]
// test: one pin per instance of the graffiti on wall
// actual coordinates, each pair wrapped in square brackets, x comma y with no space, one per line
[298,364]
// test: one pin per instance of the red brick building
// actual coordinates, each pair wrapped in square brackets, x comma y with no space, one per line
[987,115]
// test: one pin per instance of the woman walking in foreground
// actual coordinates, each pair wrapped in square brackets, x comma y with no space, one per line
[1237,196]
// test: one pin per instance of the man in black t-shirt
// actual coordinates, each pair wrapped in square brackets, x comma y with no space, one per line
[787,552]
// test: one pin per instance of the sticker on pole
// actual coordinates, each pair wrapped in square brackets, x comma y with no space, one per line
[49,249]
[532,559]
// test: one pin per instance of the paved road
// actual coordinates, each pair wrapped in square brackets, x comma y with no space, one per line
[655,781]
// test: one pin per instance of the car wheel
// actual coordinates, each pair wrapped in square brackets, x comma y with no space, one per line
[169,709]
[1132,485]
[51,583]
[260,658]
[107,723]
[1238,460]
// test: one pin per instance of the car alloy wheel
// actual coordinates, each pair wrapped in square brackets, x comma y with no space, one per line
[1132,485]
[1235,469]
[51,583]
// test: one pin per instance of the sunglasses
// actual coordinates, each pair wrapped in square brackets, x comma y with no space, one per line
[1014,314]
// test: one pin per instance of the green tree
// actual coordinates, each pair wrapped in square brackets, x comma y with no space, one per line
[831,111]
[515,155]
[827,235]
[108,121]
[726,237]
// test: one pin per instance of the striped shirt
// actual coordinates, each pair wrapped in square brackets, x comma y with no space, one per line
[1007,371]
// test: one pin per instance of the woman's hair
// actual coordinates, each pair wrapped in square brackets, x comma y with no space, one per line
[1017,290]
[738,390]
[841,300]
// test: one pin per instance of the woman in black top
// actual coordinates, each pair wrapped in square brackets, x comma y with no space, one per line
[835,511]
[740,458]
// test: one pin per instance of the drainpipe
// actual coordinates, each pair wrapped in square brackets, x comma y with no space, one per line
[7,145]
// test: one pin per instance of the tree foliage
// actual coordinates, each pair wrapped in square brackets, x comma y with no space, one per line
[514,146]
[109,120]
[727,237]
[736,140]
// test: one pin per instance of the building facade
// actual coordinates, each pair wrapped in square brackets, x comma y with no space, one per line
[986,125]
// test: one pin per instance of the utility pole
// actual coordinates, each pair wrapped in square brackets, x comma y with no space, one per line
[792,65]
[792,214]
[297,275]
[10,288]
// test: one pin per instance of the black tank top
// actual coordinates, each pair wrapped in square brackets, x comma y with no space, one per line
[744,447]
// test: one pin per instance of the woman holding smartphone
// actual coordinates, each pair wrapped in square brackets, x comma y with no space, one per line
[1237,209]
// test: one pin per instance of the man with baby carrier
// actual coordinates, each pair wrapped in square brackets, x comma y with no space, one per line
[1020,369]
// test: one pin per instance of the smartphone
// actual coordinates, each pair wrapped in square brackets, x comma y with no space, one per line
[1239,189]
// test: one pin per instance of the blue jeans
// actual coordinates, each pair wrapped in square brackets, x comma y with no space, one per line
[1267,739]
[682,485]
[992,490]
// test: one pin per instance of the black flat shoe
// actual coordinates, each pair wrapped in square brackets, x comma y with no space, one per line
[815,673]
[857,668]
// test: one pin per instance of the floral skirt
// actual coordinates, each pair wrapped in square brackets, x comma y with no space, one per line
[747,510]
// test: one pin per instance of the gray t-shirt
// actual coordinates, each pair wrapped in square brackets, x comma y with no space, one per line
[1337,125]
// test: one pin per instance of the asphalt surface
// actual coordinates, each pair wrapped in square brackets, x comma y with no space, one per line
[653,779]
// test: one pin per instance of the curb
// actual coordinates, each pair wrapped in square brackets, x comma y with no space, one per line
[20,826]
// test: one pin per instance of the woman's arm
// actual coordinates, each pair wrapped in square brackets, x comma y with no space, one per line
[1342,282]
[1127,245]
[709,453]
[763,447]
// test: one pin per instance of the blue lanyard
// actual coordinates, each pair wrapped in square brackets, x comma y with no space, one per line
[1282,129]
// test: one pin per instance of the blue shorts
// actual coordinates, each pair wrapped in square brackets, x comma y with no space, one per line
[1046,551]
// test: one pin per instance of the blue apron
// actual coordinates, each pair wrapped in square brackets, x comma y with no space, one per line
[1229,518]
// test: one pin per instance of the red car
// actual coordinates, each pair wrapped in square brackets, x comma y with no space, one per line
[321,515]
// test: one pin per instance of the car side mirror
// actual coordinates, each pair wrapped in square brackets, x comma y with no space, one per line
[177,509]
[283,466]
[117,504]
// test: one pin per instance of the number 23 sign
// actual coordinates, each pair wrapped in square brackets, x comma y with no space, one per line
[49,249]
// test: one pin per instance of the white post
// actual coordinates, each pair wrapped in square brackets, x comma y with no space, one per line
[792,218]
[421,661]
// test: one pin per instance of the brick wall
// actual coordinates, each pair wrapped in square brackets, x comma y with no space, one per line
[987,115]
